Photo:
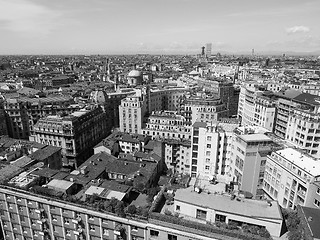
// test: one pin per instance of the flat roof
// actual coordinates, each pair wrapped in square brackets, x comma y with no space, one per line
[223,203]
[94,190]
[305,162]
[60,184]
[255,137]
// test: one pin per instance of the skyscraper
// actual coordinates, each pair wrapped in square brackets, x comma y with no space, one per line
[202,51]
[208,49]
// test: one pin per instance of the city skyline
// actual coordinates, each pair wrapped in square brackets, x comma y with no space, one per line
[169,27]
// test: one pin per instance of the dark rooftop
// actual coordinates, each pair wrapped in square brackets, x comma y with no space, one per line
[312,217]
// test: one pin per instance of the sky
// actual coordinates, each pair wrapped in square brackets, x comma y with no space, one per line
[158,26]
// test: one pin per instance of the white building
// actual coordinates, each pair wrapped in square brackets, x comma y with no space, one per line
[214,208]
[292,178]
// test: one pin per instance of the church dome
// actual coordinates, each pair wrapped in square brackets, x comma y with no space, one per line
[99,96]
[134,73]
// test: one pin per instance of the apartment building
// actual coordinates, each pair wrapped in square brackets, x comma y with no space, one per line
[225,90]
[203,108]
[167,125]
[43,203]
[23,113]
[177,155]
[292,178]
[167,98]
[216,207]
[248,158]
[3,120]
[287,102]
[256,108]
[76,133]
[211,149]
[132,112]
[303,129]
[110,101]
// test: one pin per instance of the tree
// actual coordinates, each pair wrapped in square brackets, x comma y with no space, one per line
[263,232]
[132,209]
[293,221]
[296,234]
[108,206]
[119,209]
[113,203]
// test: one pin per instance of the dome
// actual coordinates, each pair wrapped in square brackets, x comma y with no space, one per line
[134,73]
[99,96]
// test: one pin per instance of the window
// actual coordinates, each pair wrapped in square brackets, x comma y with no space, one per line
[105,232]
[91,227]
[201,214]
[207,167]
[177,208]
[209,138]
[318,190]
[154,233]
[317,203]
[172,237]
[68,232]
[208,153]
[208,145]
[220,218]
[207,160]
[66,220]
[22,218]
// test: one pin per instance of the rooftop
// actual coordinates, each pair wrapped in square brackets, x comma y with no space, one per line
[245,207]
[255,137]
[304,161]
[312,217]
[44,153]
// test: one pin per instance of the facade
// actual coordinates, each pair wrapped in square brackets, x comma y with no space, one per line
[132,113]
[256,108]
[291,100]
[76,133]
[285,106]
[203,108]
[303,129]
[3,119]
[225,90]
[160,99]
[211,150]
[167,125]
[292,178]
[177,155]
[248,157]
[23,113]
[110,101]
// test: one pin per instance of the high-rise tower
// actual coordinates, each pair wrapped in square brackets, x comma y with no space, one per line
[208,49]
[202,51]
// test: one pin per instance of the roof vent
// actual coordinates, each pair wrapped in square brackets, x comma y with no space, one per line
[310,219]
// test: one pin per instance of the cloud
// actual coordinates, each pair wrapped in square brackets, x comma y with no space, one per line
[303,43]
[297,29]
[23,16]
